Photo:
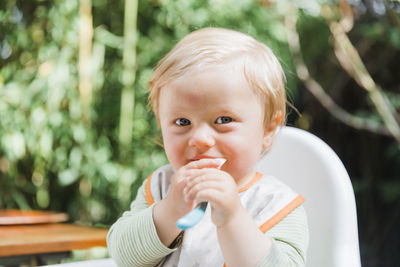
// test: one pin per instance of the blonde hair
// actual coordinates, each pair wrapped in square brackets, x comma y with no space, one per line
[210,46]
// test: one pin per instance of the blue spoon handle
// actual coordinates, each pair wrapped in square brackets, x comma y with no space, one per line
[192,217]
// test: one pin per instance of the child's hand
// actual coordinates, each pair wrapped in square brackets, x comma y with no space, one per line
[215,186]
[175,197]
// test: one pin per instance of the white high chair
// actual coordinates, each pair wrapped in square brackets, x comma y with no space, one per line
[312,168]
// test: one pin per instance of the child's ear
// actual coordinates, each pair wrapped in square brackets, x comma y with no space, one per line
[270,131]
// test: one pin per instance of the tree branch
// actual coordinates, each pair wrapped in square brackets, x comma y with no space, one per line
[128,77]
[85,54]
[351,61]
[316,89]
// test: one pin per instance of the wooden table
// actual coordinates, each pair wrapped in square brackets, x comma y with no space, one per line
[89,263]
[14,217]
[19,242]
[47,238]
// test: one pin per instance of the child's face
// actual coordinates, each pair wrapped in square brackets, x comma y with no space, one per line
[213,114]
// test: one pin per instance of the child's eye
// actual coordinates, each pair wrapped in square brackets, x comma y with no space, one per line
[223,119]
[182,122]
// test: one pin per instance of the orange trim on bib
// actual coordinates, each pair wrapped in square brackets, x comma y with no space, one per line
[149,197]
[282,213]
[256,177]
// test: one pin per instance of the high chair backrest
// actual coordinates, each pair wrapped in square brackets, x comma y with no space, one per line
[312,168]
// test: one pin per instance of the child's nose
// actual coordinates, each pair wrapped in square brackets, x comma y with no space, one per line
[202,137]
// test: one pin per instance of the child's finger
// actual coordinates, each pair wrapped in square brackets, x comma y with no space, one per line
[190,193]
[204,177]
[203,163]
[211,195]
[210,173]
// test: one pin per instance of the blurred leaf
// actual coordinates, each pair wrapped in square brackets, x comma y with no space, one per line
[20,200]
[110,171]
[42,198]
[14,144]
[68,177]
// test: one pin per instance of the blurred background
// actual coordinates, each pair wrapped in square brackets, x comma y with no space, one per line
[77,136]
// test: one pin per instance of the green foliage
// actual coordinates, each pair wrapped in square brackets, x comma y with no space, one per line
[49,158]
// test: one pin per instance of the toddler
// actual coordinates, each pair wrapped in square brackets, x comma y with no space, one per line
[217,94]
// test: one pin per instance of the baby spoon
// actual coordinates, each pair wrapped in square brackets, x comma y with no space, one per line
[194,216]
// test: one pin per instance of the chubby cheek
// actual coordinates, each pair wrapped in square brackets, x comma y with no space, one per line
[243,155]
[175,152]
[242,164]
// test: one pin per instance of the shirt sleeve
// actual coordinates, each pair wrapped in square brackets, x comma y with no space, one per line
[132,240]
[289,241]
